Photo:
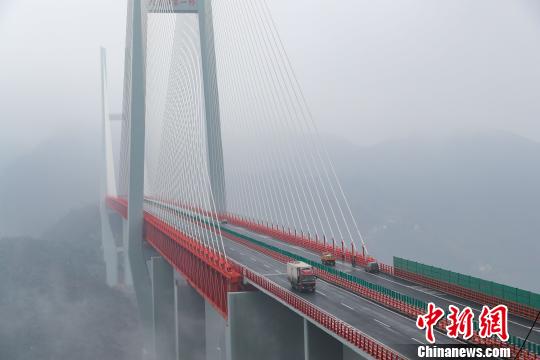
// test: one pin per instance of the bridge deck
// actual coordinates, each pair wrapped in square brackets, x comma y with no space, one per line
[517,326]
[389,328]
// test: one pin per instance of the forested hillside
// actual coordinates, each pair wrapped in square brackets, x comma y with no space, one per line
[54,303]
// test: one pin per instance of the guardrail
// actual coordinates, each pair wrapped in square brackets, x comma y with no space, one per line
[208,271]
[398,302]
[302,239]
[386,297]
[326,320]
[522,310]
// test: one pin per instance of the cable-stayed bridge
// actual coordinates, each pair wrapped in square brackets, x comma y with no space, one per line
[221,178]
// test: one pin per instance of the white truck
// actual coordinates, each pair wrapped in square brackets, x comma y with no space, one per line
[301,276]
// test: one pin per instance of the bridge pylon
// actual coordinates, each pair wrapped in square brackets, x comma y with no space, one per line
[141,268]
[107,184]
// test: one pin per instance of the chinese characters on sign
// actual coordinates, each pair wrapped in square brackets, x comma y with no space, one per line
[494,322]
[460,323]
[429,320]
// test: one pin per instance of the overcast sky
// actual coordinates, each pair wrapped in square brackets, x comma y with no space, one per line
[371,70]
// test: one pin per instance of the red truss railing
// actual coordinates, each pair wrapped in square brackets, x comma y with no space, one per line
[209,272]
[117,204]
[333,324]
[376,296]
[213,276]
[288,236]
[384,300]
[346,254]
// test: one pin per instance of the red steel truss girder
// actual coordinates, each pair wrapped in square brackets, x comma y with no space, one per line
[515,308]
[308,243]
[384,300]
[203,270]
[117,204]
[349,285]
[209,272]
[337,326]
[204,276]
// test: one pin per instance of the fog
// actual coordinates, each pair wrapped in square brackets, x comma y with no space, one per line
[371,71]
[429,109]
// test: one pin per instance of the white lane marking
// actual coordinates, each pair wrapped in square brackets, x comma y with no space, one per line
[355,295]
[253,259]
[273,274]
[242,253]
[266,266]
[347,306]
[427,291]
[413,287]
[418,341]
[320,292]
[380,322]
[375,304]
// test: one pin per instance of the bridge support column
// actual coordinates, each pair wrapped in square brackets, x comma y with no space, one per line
[189,310]
[349,354]
[162,308]
[306,340]
[135,196]
[263,329]
[216,333]
[107,184]
[108,244]
[320,345]
[128,278]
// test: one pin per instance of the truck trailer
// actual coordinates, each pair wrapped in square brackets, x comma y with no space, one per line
[301,276]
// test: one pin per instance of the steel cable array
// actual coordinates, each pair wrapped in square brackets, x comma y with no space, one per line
[278,172]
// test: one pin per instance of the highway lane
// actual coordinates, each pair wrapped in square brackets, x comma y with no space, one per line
[386,326]
[403,286]
[517,326]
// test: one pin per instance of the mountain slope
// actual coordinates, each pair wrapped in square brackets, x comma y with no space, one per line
[37,189]
[55,303]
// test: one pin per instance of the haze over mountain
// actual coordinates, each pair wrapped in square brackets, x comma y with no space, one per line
[39,187]
[55,303]
[467,202]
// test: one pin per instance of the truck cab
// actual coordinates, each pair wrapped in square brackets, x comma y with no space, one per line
[301,276]
[372,267]
[327,258]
